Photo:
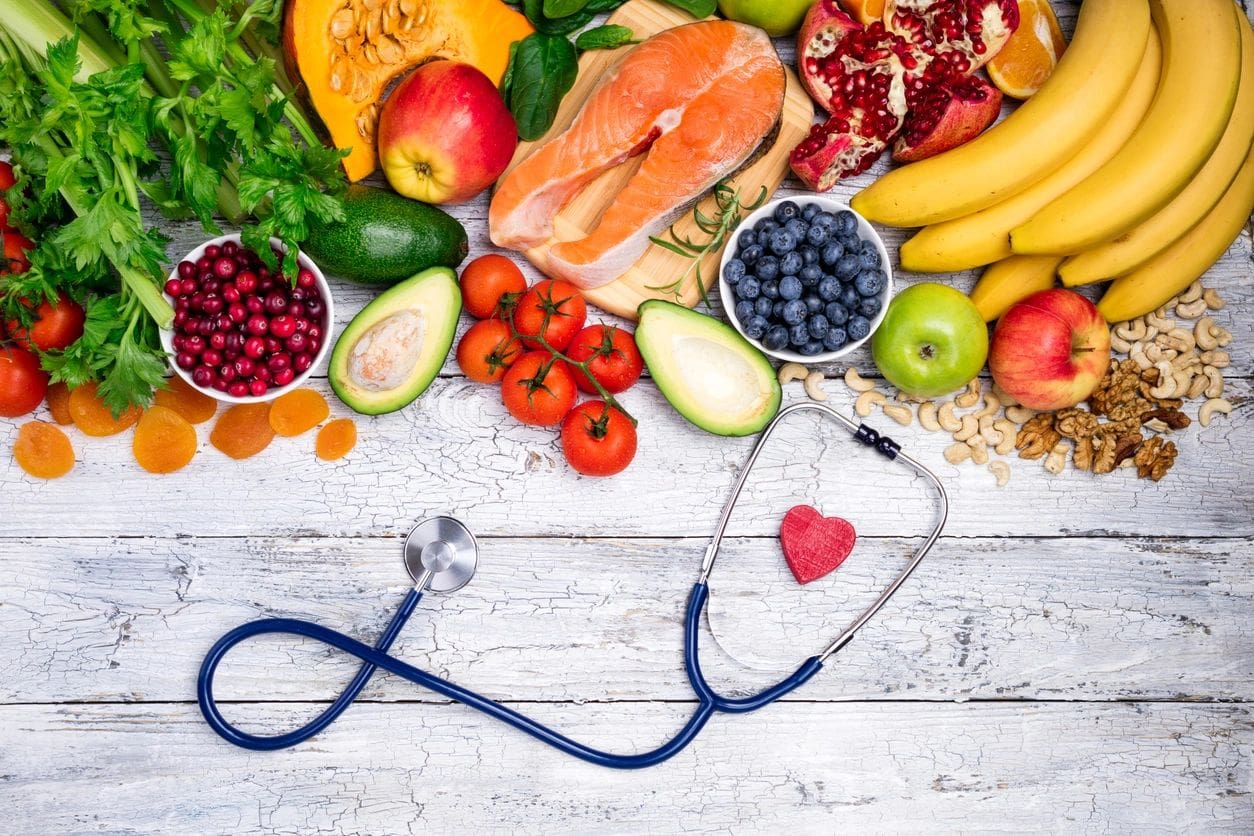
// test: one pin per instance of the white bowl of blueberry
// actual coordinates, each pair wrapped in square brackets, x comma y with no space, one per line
[805,279]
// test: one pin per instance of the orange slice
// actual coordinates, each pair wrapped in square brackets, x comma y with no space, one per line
[1032,52]
[864,11]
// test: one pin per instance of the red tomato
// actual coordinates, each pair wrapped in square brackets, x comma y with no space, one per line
[487,350]
[22,383]
[612,358]
[15,247]
[6,182]
[488,278]
[554,307]
[55,326]
[538,389]
[598,440]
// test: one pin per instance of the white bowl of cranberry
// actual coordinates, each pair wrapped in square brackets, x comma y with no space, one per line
[241,333]
[806,279]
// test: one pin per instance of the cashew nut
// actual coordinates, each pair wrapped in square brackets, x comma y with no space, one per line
[1009,432]
[814,386]
[1218,359]
[992,406]
[945,416]
[1132,330]
[1166,387]
[1180,339]
[1019,414]
[1137,355]
[1191,310]
[1197,386]
[990,434]
[970,397]
[857,382]
[1192,293]
[979,450]
[1214,381]
[1223,335]
[1119,344]
[867,400]
[970,426]
[792,371]
[927,416]
[1057,458]
[1187,361]
[957,453]
[1158,320]
[1157,354]
[901,414]
[1002,471]
[1208,410]
[1213,300]
[1203,335]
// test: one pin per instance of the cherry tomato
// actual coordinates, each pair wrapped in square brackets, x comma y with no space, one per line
[54,326]
[15,247]
[22,383]
[612,358]
[556,301]
[6,182]
[487,350]
[486,280]
[538,389]
[598,440]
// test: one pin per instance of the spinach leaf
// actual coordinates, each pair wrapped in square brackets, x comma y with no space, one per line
[543,71]
[534,10]
[562,8]
[610,36]
[603,5]
[696,8]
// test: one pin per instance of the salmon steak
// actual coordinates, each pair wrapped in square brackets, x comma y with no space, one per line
[697,100]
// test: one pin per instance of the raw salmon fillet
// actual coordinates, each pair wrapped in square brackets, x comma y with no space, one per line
[699,99]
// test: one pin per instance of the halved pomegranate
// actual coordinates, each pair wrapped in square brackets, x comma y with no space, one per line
[944,115]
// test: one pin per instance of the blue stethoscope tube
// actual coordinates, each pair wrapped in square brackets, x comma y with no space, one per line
[373,658]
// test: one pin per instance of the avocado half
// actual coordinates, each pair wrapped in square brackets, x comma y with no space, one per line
[711,375]
[392,350]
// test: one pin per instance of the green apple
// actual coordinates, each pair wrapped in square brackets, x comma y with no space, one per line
[777,17]
[932,340]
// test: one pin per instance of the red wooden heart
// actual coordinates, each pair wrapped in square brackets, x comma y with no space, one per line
[814,544]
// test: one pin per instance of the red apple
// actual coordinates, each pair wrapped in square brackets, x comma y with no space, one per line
[1050,350]
[445,133]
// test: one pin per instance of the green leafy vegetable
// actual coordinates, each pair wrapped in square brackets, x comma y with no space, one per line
[696,8]
[562,8]
[542,72]
[610,36]
[546,25]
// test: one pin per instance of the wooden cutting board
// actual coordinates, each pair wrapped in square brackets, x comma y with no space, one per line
[658,266]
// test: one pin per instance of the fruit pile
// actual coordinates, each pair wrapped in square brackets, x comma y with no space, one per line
[533,343]
[804,280]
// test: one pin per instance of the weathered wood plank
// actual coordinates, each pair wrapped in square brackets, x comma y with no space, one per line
[1146,768]
[1094,619]
[457,451]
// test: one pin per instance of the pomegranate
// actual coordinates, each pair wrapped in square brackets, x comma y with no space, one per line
[959,36]
[945,115]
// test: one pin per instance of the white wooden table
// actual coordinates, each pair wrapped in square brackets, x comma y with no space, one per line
[1076,654]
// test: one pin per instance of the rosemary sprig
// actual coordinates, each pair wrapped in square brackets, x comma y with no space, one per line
[728,210]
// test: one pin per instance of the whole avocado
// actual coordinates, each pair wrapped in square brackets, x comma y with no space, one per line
[385,238]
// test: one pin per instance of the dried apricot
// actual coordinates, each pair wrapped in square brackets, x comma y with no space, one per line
[243,430]
[298,411]
[336,439]
[58,399]
[164,441]
[196,407]
[92,417]
[43,450]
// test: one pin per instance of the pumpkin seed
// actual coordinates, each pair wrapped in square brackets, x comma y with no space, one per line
[342,24]
[389,51]
[371,5]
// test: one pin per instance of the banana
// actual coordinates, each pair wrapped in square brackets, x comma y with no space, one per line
[1135,247]
[1012,279]
[1050,128]
[1201,69]
[1172,270]
[984,237]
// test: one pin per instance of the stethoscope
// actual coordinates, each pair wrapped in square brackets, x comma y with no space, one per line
[441,556]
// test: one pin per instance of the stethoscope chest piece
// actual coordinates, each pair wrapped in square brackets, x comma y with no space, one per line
[441,554]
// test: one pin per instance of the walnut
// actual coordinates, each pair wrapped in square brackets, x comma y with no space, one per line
[1155,458]
[1037,437]
[1127,445]
[1173,418]
[1082,456]
[1120,385]
[1104,455]
[1075,423]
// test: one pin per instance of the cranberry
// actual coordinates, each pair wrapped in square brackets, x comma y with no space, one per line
[246,281]
[302,325]
[305,278]
[219,384]
[213,304]
[302,362]
[230,248]
[238,389]
[257,388]
[255,305]
[188,286]
[254,347]
[217,341]
[207,327]
[258,324]
[192,325]
[230,293]
[203,376]
[185,360]
[314,332]
[187,269]
[225,268]
[198,300]
[237,312]
[180,317]
[204,263]
[298,295]
[213,251]
[224,323]
[244,367]
[234,342]
[315,308]
[279,362]
[273,345]
[312,344]
[276,302]
[179,341]
[284,377]
[172,287]
[194,344]
[182,304]
[282,326]
[210,357]
[211,285]
[296,343]
[264,286]
[262,373]
[226,371]
[296,310]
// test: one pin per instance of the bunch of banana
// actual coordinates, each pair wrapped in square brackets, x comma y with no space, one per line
[1131,161]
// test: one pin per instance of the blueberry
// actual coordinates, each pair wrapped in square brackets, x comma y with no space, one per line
[858,327]
[764,237]
[817,235]
[870,306]
[869,248]
[837,314]
[824,219]
[782,241]
[849,298]
[791,264]
[770,289]
[835,339]
[761,306]
[767,225]
[767,268]
[786,211]
[812,348]
[750,255]
[798,228]
[777,310]
[813,303]
[755,327]
[745,310]
[790,287]
[809,255]
[799,334]
[794,312]
[829,289]
[871,262]
[776,338]
[746,238]
[846,223]
[734,271]
[830,255]
[749,288]
[811,275]
[846,267]
[809,211]
[850,242]
[868,282]
[819,326]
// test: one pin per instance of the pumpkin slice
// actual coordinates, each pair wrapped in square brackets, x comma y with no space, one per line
[344,54]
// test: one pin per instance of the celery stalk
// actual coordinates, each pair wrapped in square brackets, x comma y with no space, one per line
[39,24]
